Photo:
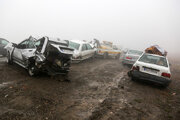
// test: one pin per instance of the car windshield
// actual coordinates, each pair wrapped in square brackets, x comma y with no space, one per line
[74,45]
[135,52]
[157,60]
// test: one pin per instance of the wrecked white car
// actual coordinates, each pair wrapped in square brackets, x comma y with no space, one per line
[43,55]
[82,50]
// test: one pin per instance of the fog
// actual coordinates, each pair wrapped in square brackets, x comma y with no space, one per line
[133,24]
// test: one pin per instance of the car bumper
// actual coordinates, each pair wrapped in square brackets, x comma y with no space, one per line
[109,54]
[152,78]
[128,62]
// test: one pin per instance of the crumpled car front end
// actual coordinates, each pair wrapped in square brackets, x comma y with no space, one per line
[55,59]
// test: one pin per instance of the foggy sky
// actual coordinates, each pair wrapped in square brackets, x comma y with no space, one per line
[133,24]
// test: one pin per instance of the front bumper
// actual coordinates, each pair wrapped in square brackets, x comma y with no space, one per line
[75,60]
[152,78]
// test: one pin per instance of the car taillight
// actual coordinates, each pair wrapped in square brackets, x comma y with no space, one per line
[135,68]
[166,75]
[128,58]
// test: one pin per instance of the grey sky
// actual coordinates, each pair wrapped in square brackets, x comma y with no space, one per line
[130,23]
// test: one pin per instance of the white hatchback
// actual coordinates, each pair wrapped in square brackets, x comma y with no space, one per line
[82,50]
[151,67]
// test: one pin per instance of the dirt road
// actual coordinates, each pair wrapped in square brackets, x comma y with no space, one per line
[98,89]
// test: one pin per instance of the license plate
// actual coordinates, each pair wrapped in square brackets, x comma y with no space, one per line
[150,70]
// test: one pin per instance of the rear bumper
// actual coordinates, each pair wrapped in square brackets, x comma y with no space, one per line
[128,62]
[152,78]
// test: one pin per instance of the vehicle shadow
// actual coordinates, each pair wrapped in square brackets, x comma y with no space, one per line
[23,73]
[127,66]
[149,84]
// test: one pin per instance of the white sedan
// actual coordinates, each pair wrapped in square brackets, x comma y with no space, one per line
[82,50]
[151,67]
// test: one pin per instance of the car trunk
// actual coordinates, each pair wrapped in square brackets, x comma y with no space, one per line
[151,68]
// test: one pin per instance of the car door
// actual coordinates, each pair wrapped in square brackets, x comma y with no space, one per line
[29,51]
[17,53]
[90,51]
[23,50]
[84,51]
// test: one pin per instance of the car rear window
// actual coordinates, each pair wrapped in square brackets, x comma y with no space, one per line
[157,60]
[135,52]
[74,45]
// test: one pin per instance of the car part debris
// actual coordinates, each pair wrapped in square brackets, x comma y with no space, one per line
[155,49]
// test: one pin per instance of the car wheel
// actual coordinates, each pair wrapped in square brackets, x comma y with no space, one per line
[31,71]
[118,56]
[133,79]
[164,86]
[129,74]
[105,55]
[94,55]
[9,60]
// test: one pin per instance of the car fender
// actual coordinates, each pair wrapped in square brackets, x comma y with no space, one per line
[9,47]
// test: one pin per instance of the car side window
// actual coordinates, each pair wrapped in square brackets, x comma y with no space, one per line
[39,44]
[89,47]
[23,45]
[30,44]
[84,47]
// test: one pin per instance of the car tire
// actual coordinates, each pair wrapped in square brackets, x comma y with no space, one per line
[164,86]
[129,74]
[9,60]
[31,71]
[123,63]
[133,79]
[118,56]
[105,56]
[94,55]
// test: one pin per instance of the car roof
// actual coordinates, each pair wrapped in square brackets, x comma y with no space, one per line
[154,55]
[4,39]
[78,41]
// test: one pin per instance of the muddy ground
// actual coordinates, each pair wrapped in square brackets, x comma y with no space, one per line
[98,90]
